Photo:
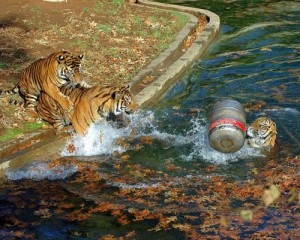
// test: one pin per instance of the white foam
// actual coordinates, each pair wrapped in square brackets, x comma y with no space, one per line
[201,150]
[279,111]
[101,140]
[41,170]
[101,137]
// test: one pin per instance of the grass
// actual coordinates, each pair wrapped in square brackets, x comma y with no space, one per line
[13,133]
[98,7]
[79,43]
[103,27]
[118,3]
[36,10]
[3,64]
[10,134]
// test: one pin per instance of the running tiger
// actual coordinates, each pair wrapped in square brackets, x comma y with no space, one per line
[262,133]
[90,105]
[47,75]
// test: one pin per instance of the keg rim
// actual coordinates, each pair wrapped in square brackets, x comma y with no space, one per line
[228,121]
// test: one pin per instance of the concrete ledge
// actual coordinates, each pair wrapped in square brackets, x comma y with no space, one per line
[166,57]
[154,90]
[49,148]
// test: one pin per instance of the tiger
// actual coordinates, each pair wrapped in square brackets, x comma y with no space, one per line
[47,75]
[91,105]
[262,132]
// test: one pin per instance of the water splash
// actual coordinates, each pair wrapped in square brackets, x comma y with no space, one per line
[101,137]
[201,150]
[42,170]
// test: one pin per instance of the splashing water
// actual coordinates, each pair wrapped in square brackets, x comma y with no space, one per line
[202,150]
[101,137]
[42,170]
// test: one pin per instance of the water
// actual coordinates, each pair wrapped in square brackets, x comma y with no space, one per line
[160,160]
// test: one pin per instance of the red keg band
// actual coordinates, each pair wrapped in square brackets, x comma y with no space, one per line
[228,121]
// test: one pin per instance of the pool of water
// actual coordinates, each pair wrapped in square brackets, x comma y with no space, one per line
[157,177]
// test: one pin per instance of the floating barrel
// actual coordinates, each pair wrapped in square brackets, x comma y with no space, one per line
[227,129]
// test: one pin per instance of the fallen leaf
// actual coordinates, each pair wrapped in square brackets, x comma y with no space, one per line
[247,215]
[293,194]
[266,49]
[71,148]
[146,140]
[270,195]
[224,221]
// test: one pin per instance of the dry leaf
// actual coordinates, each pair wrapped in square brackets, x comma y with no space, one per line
[224,221]
[270,195]
[71,148]
[293,194]
[247,215]
[146,140]
[176,107]
[266,49]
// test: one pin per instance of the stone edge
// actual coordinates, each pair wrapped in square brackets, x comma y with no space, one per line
[194,52]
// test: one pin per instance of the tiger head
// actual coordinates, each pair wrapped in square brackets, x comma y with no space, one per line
[262,133]
[69,66]
[123,101]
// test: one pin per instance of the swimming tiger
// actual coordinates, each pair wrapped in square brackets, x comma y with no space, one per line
[47,75]
[262,133]
[90,105]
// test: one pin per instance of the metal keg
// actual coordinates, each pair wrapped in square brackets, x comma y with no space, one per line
[227,129]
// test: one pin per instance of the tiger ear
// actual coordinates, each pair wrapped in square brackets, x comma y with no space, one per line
[81,56]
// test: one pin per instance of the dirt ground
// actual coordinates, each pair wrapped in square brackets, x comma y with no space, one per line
[117,39]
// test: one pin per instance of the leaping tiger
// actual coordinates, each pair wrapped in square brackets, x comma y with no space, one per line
[262,133]
[90,105]
[47,75]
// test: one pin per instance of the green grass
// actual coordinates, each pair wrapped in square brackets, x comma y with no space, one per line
[3,64]
[78,43]
[10,134]
[85,10]
[13,133]
[98,7]
[180,17]
[32,126]
[137,20]
[103,27]
[118,3]
[36,10]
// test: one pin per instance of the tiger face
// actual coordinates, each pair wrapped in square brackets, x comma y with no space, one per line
[69,66]
[262,133]
[124,101]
